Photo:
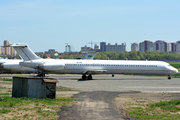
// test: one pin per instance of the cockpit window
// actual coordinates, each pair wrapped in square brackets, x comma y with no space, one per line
[169,65]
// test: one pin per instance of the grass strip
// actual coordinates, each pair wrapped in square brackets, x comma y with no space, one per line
[176,65]
[5,93]
[177,75]
[6,79]
[165,110]
[60,88]
[31,108]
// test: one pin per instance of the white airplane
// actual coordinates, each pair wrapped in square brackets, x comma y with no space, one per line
[90,67]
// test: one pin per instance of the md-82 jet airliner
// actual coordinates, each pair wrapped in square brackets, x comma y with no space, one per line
[90,67]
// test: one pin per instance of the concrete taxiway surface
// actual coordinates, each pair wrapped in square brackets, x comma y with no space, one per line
[120,83]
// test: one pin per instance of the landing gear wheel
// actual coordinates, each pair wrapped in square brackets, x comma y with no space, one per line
[169,77]
[41,74]
[84,77]
[90,77]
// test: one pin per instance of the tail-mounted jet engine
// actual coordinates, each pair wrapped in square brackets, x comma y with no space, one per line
[51,66]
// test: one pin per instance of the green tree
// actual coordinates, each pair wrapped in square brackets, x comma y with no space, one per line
[45,56]
[53,56]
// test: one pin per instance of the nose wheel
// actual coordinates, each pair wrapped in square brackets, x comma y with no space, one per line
[169,77]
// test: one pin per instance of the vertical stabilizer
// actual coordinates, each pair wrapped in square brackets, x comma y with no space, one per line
[90,55]
[25,52]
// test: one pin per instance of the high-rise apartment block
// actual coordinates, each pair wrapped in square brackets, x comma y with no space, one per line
[169,47]
[141,47]
[178,47]
[103,46]
[8,50]
[173,47]
[116,47]
[146,46]
[68,48]
[134,47]
[161,46]
[150,46]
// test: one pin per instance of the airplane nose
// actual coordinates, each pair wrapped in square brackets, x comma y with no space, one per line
[175,71]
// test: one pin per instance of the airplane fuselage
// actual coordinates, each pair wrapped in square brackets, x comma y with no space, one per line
[101,66]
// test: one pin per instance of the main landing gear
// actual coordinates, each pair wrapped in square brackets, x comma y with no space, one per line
[40,74]
[169,77]
[88,78]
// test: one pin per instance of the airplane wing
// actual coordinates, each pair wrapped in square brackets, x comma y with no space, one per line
[94,71]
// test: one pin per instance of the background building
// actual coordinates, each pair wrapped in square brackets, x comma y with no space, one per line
[150,46]
[103,46]
[161,46]
[169,47]
[134,47]
[86,49]
[142,46]
[8,50]
[177,46]
[2,50]
[173,47]
[96,48]
[68,48]
[51,51]
[116,47]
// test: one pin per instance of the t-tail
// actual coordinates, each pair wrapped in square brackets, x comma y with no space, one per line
[90,55]
[25,52]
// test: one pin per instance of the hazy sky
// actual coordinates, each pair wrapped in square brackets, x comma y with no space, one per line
[49,24]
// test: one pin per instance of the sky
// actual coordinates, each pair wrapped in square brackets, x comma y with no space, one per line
[50,24]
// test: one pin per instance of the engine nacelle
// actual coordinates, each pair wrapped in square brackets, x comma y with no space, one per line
[51,66]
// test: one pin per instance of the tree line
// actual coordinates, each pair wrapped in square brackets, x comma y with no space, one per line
[138,55]
[132,55]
